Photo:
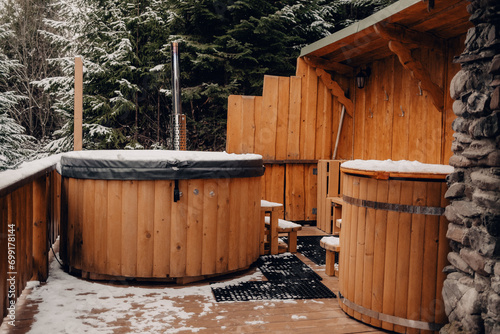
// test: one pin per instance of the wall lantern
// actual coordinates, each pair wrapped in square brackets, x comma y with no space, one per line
[361,77]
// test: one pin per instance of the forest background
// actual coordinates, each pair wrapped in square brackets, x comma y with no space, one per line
[226,47]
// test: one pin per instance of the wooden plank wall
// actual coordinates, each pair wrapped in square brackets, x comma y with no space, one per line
[395,120]
[292,125]
[30,208]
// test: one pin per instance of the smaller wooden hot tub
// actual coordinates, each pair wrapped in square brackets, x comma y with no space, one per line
[159,214]
[393,244]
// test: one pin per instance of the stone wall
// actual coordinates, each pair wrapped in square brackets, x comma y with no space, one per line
[472,288]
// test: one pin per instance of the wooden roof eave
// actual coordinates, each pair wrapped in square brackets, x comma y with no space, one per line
[359,29]
[406,21]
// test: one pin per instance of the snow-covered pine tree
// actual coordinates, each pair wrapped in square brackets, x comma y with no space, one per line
[110,90]
[64,34]
[124,81]
[259,42]
[226,47]
[14,143]
[29,48]
[206,69]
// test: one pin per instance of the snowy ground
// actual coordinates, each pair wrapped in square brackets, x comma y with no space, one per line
[67,304]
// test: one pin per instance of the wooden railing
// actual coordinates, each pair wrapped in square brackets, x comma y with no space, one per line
[29,224]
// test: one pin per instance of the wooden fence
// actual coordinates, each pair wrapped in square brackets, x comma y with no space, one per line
[292,125]
[29,221]
[296,118]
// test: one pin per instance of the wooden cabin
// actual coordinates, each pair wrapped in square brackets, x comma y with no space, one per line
[403,112]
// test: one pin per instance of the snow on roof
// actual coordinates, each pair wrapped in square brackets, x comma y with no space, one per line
[401,166]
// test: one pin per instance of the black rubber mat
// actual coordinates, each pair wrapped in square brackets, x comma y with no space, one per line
[288,278]
[280,290]
[285,267]
[310,248]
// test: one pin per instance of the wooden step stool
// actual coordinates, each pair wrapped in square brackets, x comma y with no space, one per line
[291,229]
[332,247]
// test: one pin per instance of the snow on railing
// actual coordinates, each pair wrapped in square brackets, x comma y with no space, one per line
[29,220]
[12,179]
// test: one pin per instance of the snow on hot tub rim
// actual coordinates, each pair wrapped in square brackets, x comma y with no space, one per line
[153,155]
[399,166]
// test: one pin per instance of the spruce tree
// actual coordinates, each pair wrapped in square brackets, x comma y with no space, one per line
[15,145]
[226,48]
[25,19]
[124,85]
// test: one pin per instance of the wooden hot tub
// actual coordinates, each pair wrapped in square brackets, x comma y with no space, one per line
[159,214]
[393,244]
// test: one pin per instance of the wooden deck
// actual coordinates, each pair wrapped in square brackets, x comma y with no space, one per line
[300,316]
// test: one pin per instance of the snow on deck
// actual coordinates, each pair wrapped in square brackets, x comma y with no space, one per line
[67,304]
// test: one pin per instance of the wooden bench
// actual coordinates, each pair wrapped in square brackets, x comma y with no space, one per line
[291,229]
[332,247]
[269,235]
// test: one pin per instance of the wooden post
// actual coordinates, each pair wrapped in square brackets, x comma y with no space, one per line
[77,144]
[40,230]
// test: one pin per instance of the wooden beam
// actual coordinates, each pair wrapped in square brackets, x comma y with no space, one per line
[329,65]
[398,33]
[336,90]
[419,73]
[78,109]
[40,250]
[289,162]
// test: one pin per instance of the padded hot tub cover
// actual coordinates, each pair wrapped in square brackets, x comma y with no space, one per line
[158,165]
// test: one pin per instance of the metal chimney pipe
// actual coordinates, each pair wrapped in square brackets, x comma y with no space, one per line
[178,119]
[176,79]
